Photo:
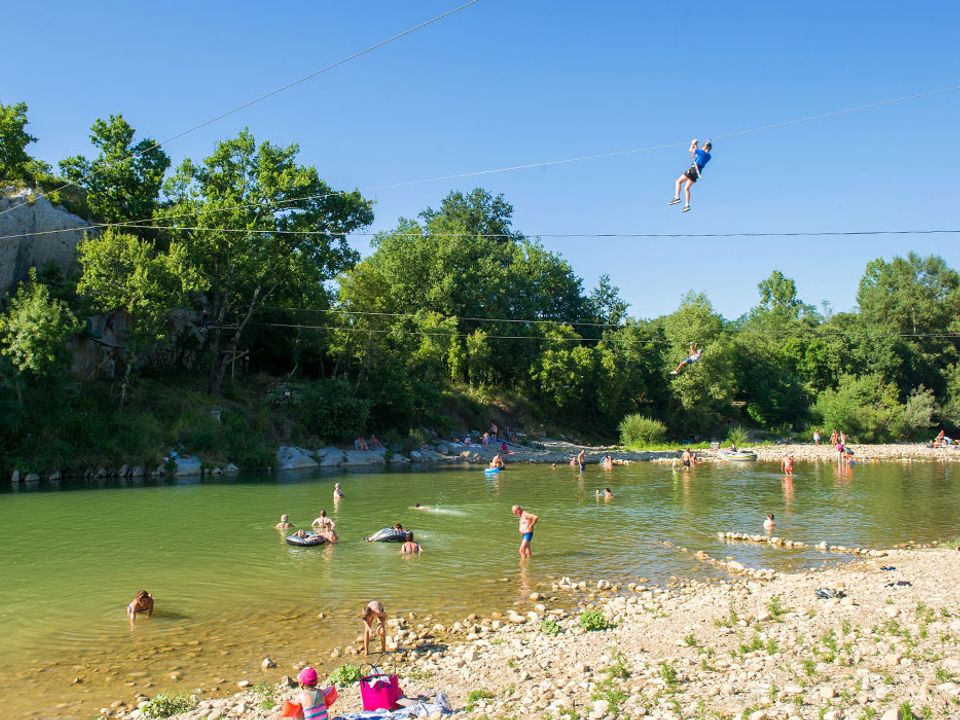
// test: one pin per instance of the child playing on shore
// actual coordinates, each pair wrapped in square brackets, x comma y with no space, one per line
[311,699]
[374,611]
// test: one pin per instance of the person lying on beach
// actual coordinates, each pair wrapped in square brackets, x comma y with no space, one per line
[142,603]
[374,611]
[410,547]
[284,523]
[769,524]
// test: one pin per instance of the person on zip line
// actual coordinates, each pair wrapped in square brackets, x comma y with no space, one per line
[699,159]
[694,355]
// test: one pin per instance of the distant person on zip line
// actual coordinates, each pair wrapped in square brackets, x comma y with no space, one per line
[694,355]
[700,159]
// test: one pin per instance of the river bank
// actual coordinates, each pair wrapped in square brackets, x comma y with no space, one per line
[741,647]
[546,451]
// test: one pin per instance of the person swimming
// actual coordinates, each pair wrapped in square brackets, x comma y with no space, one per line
[418,506]
[142,603]
[769,524]
[607,494]
[284,523]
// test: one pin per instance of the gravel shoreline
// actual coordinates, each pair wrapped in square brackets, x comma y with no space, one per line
[758,645]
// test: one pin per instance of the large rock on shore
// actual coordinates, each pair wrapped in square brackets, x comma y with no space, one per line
[330,457]
[365,458]
[294,458]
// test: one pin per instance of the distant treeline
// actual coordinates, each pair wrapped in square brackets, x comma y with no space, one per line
[453,302]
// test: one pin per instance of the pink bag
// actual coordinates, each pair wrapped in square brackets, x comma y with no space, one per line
[379,691]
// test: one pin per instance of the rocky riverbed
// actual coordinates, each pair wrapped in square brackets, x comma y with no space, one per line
[884,644]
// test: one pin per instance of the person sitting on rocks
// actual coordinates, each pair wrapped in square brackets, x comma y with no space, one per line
[142,603]
[360,443]
[375,442]
[374,611]
[312,704]
[410,547]
[284,523]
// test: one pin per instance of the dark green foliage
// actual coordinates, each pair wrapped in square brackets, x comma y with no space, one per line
[15,162]
[332,412]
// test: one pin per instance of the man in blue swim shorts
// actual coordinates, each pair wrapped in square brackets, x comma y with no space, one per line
[527,521]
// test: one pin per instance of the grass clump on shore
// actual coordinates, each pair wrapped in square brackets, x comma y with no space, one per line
[267,695]
[345,675]
[595,620]
[475,696]
[550,626]
[166,704]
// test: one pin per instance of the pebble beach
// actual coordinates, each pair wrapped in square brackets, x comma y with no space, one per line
[756,645]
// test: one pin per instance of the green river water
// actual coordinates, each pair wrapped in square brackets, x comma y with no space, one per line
[229,590]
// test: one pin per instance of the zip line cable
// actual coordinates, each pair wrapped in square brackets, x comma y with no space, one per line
[652,341]
[260,98]
[648,148]
[628,236]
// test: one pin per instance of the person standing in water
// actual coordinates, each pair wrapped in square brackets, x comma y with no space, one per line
[769,524]
[374,612]
[410,547]
[337,493]
[786,465]
[699,159]
[527,521]
[284,523]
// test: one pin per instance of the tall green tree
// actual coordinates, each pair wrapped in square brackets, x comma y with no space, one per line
[126,274]
[256,227]
[123,181]
[34,332]
[14,160]
[907,306]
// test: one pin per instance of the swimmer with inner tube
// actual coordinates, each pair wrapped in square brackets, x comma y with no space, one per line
[142,603]
[497,462]
[694,355]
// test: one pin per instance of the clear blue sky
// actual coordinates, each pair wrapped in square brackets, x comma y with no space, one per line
[506,83]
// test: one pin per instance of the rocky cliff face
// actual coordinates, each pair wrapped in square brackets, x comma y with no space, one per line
[31,247]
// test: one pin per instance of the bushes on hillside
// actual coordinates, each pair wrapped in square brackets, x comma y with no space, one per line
[638,430]
[332,412]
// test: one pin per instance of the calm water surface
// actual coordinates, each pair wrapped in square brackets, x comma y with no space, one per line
[229,590]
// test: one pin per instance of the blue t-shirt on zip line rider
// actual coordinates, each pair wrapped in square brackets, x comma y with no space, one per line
[701,158]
